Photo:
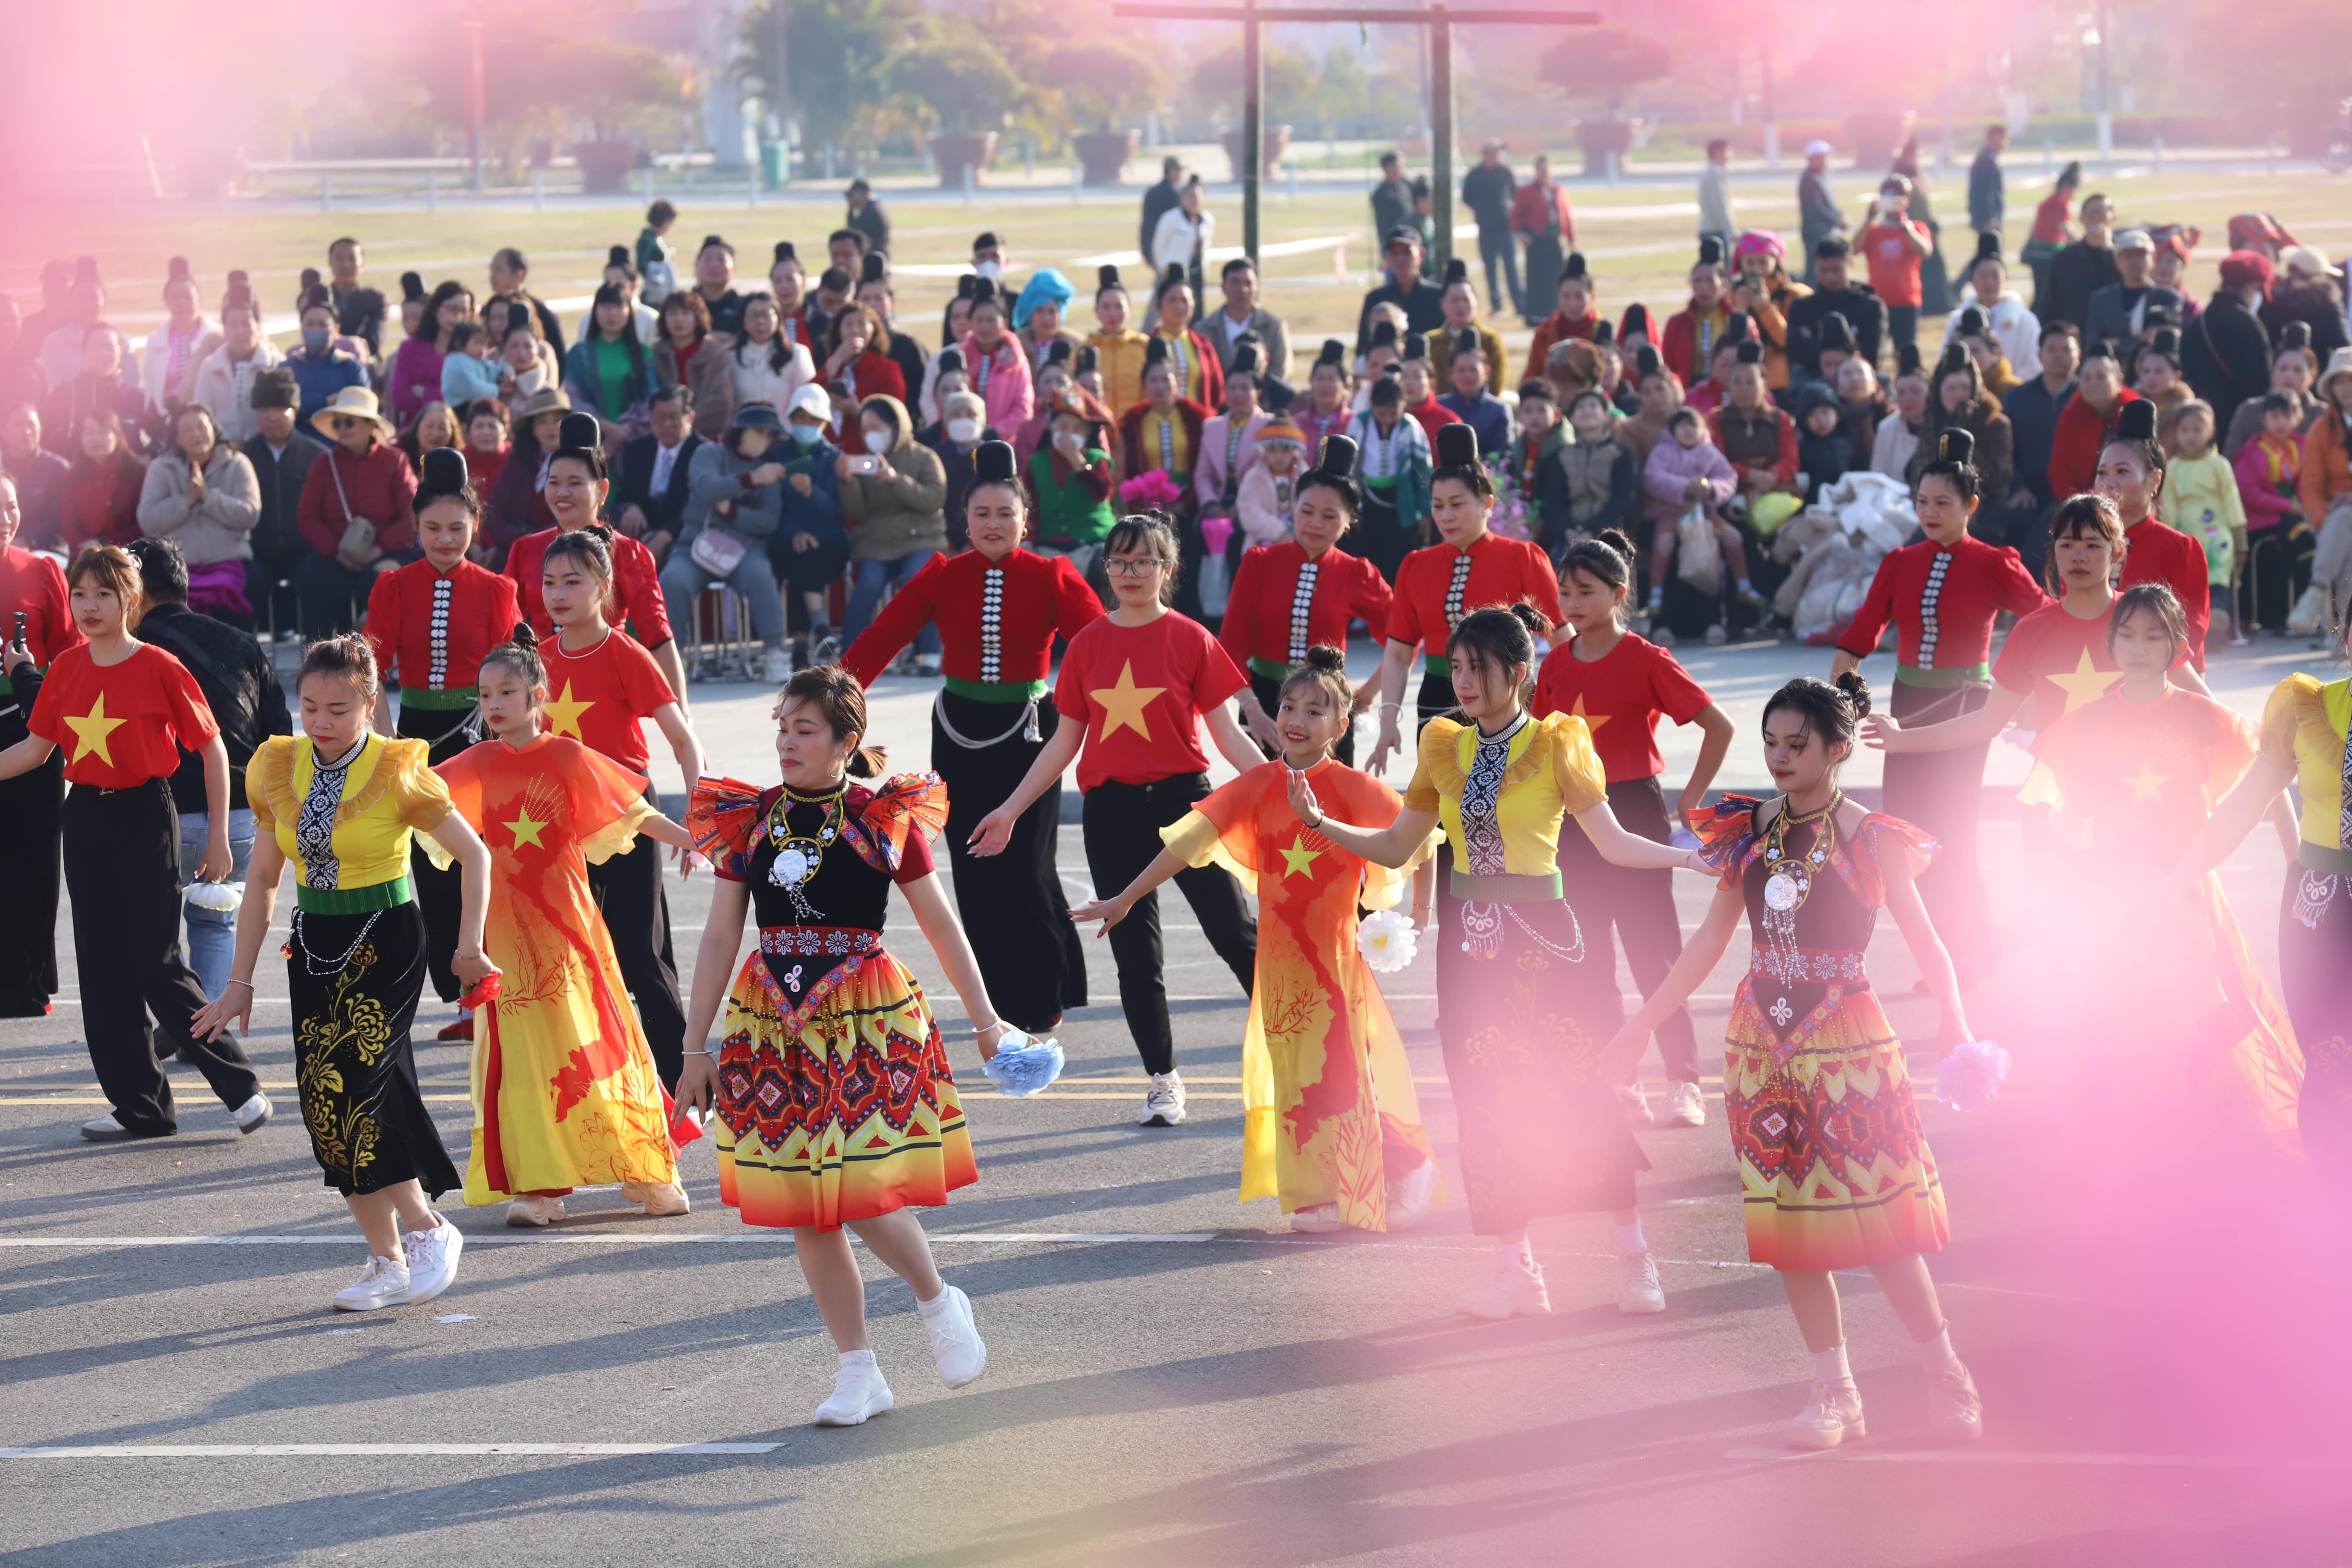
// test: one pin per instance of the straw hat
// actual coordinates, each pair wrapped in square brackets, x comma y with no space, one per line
[2339,363]
[351,402]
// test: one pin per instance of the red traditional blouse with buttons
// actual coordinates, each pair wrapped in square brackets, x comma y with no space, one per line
[997,620]
[1942,602]
[2159,553]
[1437,586]
[636,587]
[1621,696]
[1140,692]
[598,695]
[430,629]
[1283,603]
[121,724]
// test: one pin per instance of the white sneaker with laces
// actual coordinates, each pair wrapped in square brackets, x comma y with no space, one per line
[1321,1220]
[433,1260]
[106,1130]
[1639,1291]
[858,1392]
[1634,1104]
[2303,618]
[1409,1197]
[384,1282]
[956,1347]
[253,1115]
[1955,1412]
[1513,1292]
[1834,1416]
[1685,1108]
[825,649]
[1163,1102]
[775,666]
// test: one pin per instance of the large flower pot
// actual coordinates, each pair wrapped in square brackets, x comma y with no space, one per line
[1274,142]
[1876,137]
[953,154]
[1599,138]
[1103,155]
[605,165]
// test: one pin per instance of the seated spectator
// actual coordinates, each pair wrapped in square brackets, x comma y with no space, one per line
[858,349]
[39,475]
[487,447]
[523,370]
[62,348]
[2280,539]
[1861,404]
[201,494]
[955,438]
[1825,448]
[1592,484]
[737,503]
[1578,315]
[517,501]
[651,501]
[1262,506]
[167,365]
[435,428]
[1760,439]
[1228,439]
[101,494]
[1542,434]
[1693,331]
[876,294]
[1835,293]
[2293,371]
[414,378]
[767,367]
[468,373]
[1956,397]
[2158,380]
[99,388]
[1973,332]
[224,381]
[2119,310]
[894,492]
[1470,402]
[1688,477]
[321,368]
[2087,422]
[622,274]
[281,453]
[357,512]
[2306,293]
[2326,488]
[510,277]
[1898,437]
[685,355]
[605,372]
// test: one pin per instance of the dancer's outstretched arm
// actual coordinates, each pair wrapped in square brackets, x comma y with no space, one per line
[945,934]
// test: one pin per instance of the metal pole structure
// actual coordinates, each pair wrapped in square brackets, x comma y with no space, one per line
[780,18]
[1440,136]
[1253,159]
[474,98]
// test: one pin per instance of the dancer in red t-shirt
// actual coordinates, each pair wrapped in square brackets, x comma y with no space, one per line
[2131,475]
[33,803]
[1140,683]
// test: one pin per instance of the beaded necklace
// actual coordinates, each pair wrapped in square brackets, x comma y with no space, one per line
[799,856]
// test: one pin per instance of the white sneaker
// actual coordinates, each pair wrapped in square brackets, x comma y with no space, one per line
[253,1115]
[1639,1291]
[1513,1292]
[858,1392]
[1163,1102]
[106,1130]
[1954,1413]
[926,663]
[775,666]
[1834,1416]
[1634,1104]
[662,1199]
[433,1260]
[1664,636]
[2304,619]
[1684,1106]
[956,1347]
[1717,636]
[1409,1197]
[824,648]
[384,1282]
[1321,1220]
[530,1210]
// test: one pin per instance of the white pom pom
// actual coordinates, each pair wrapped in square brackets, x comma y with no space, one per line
[220,896]
[1973,1075]
[1387,941]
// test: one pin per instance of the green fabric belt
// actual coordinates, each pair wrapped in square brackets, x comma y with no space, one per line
[7,690]
[353,900]
[454,698]
[996,690]
[1504,890]
[2321,858]
[1964,675]
[1437,666]
[1271,668]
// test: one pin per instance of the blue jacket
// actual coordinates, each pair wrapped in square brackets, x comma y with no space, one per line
[819,511]
[321,376]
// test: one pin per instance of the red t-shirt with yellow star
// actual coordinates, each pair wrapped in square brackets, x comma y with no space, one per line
[122,724]
[1142,691]
[1621,696]
[597,696]
[2060,661]
[2133,781]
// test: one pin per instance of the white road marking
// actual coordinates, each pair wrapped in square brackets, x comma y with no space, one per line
[1999,1456]
[373,1450]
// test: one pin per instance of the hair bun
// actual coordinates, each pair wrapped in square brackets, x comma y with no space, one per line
[524,636]
[618,257]
[578,432]
[2135,421]
[1337,456]
[1617,540]
[444,473]
[1457,446]
[992,463]
[1857,692]
[1955,445]
[1322,655]
[1526,615]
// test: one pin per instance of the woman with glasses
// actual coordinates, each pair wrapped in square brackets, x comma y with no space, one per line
[1139,683]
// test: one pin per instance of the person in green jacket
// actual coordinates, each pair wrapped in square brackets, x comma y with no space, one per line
[1070,482]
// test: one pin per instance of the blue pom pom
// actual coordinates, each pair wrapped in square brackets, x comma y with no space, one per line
[1021,1069]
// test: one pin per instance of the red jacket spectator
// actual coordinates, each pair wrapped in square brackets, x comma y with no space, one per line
[1894,261]
[1429,414]
[1765,438]
[1528,213]
[380,487]
[2083,434]
[1691,337]
[100,502]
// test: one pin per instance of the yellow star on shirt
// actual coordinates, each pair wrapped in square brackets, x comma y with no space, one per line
[91,730]
[1589,721]
[526,831]
[2149,784]
[1300,858]
[563,713]
[1123,705]
[2085,685]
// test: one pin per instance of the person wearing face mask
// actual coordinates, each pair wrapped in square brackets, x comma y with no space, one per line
[956,436]
[810,549]
[988,255]
[894,492]
[1070,480]
[735,504]
[320,368]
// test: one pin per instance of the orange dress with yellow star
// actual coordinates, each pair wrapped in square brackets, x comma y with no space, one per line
[1330,1116]
[566,1093]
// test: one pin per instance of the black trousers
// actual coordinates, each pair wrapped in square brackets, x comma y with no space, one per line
[122,865]
[1382,536]
[1943,792]
[440,895]
[1901,327]
[629,893]
[1640,905]
[1122,830]
[32,805]
[1269,698]
[1015,913]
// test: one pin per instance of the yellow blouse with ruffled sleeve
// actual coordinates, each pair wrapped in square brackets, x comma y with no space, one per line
[390,792]
[1553,773]
[2303,728]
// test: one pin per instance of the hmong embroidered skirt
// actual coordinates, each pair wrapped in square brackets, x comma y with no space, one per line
[1833,1170]
[839,1105]
[1523,1016]
[353,1067]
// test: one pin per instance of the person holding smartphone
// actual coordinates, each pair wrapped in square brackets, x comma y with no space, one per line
[895,491]
[1894,246]
[40,626]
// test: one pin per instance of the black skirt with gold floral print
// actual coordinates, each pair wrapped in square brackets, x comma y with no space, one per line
[354,980]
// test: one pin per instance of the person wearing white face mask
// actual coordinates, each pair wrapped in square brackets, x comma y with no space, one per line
[734,506]
[988,255]
[895,491]
[956,436]
[810,549]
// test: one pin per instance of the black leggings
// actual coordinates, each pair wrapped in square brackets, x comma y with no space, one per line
[122,866]
[629,893]
[440,894]
[1640,905]
[1122,826]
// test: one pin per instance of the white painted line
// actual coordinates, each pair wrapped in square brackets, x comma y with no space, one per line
[615,1238]
[373,1450]
[1998,1456]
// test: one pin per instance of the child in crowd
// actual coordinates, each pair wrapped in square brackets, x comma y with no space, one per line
[1825,450]
[1691,477]
[2280,539]
[2201,499]
[467,374]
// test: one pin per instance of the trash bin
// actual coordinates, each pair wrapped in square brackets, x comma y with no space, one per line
[776,164]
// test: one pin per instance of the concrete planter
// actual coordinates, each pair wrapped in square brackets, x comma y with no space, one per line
[1103,155]
[1599,138]
[952,154]
[1277,141]
[604,166]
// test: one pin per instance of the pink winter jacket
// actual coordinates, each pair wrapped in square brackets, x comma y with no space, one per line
[1671,467]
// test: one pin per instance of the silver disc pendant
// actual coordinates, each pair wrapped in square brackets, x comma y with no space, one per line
[1781,892]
